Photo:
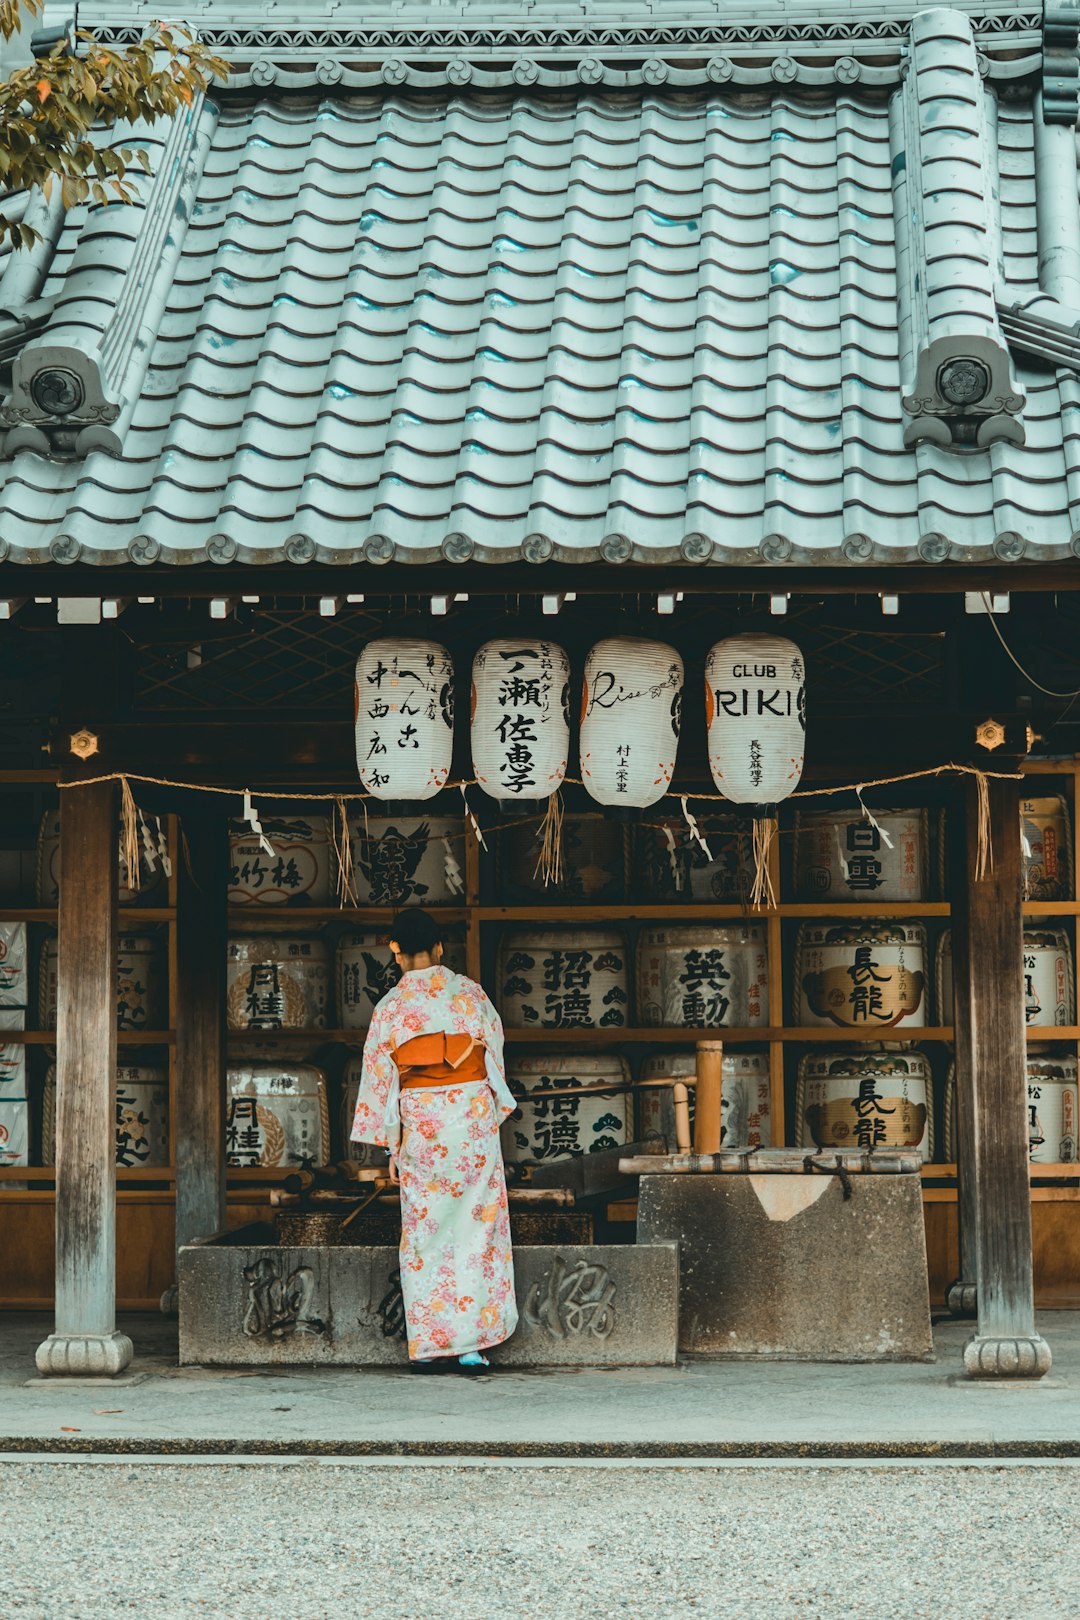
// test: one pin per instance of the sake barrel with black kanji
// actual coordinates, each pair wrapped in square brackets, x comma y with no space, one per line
[1046,847]
[276,1115]
[366,970]
[840,855]
[861,975]
[1049,988]
[142,1116]
[411,859]
[12,1053]
[670,863]
[277,981]
[564,1127]
[142,986]
[13,976]
[298,873]
[153,855]
[866,1099]
[563,978]
[745,1099]
[700,976]
[14,1131]
[1052,1095]
[594,865]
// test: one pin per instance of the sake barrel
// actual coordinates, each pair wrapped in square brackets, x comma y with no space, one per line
[408,859]
[1048,984]
[861,975]
[12,1054]
[700,976]
[840,855]
[745,1099]
[277,981]
[671,864]
[866,1099]
[152,858]
[563,978]
[358,1152]
[299,873]
[563,1127]
[14,1131]
[365,971]
[277,1114]
[142,1116]
[1051,1107]
[593,866]
[1046,848]
[13,979]
[142,988]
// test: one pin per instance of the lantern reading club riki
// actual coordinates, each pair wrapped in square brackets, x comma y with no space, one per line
[520,719]
[755,704]
[404,718]
[631,704]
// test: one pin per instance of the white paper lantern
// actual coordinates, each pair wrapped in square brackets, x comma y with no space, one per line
[631,704]
[520,718]
[404,718]
[755,705]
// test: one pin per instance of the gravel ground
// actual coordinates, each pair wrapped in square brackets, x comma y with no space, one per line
[306,1540]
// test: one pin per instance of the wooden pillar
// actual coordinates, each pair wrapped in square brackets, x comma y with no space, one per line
[199,1105]
[962,1295]
[991,1078]
[85,1340]
[708,1096]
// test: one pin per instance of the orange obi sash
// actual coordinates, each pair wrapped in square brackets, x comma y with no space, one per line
[440,1060]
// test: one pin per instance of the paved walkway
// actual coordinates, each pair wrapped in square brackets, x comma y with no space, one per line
[699,1409]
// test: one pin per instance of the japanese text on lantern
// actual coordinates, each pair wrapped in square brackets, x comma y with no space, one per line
[524,699]
[400,691]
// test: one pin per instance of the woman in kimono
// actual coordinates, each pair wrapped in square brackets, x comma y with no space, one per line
[434,1092]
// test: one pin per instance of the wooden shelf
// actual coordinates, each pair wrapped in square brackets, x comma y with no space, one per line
[47,1173]
[740,1037]
[124,1037]
[675,912]
[129,916]
[294,916]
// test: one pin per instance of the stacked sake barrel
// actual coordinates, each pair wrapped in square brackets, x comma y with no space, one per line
[142,983]
[14,1096]
[142,1116]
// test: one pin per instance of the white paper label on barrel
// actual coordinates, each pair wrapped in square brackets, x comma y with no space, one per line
[276,1115]
[407,860]
[12,1054]
[559,1127]
[562,979]
[755,710]
[866,1100]
[404,718]
[844,856]
[357,1152]
[12,964]
[745,1099]
[703,978]
[277,982]
[1046,848]
[14,1131]
[631,704]
[861,975]
[366,971]
[520,718]
[298,872]
[142,994]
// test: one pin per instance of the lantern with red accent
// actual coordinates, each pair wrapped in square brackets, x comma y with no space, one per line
[631,704]
[755,705]
[520,718]
[404,718]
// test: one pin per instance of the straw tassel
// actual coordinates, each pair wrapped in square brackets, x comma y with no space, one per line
[129,835]
[549,864]
[343,858]
[762,893]
[984,847]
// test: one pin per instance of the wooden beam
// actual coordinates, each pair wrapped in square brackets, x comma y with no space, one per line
[85,1340]
[199,1016]
[992,1089]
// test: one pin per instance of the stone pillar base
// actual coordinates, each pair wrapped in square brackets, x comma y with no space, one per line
[84,1355]
[986,1357]
[962,1298]
[169,1304]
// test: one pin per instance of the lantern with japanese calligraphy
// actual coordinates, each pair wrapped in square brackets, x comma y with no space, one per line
[404,699]
[631,706]
[565,1108]
[520,718]
[867,1098]
[700,976]
[745,1104]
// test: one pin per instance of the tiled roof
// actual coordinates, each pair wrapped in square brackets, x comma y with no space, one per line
[604,326]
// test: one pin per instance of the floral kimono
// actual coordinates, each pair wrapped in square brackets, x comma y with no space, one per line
[457,1270]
